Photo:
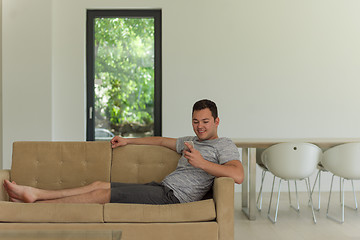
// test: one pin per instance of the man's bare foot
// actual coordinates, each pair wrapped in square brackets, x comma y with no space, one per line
[18,193]
[11,198]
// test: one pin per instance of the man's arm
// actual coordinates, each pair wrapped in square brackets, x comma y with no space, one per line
[233,169]
[159,141]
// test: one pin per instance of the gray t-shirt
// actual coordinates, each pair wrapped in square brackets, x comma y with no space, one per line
[191,184]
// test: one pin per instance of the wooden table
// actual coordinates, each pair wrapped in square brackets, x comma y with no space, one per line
[249,146]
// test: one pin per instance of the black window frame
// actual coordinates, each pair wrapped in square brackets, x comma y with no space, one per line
[90,68]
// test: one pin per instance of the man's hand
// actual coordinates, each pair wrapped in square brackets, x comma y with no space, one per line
[233,168]
[118,142]
[194,157]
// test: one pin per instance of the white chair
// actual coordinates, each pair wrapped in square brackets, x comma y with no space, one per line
[263,174]
[318,180]
[342,161]
[291,161]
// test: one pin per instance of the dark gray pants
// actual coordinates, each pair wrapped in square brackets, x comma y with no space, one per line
[148,193]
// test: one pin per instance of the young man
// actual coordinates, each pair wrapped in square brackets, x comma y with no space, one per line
[210,157]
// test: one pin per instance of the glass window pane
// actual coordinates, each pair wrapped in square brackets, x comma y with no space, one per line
[124,77]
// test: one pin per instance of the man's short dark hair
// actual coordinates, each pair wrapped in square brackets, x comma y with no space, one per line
[205,103]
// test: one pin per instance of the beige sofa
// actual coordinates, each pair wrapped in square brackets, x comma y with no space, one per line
[58,165]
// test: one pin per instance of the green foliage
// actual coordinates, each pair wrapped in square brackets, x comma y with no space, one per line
[124,71]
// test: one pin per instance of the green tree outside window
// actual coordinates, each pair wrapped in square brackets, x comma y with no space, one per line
[124,75]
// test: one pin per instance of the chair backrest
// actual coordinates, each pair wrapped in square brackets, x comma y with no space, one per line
[292,160]
[343,160]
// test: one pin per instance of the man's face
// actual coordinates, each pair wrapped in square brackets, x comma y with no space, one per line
[204,124]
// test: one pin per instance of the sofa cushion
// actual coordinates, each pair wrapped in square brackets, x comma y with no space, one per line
[51,212]
[183,212]
[60,165]
[142,163]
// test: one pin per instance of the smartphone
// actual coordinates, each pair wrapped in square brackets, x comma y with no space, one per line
[189,142]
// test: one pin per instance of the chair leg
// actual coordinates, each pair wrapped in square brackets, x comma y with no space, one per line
[340,191]
[318,178]
[297,197]
[341,201]
[356,205]
[307,181]
[258,206]
[319,199]
[273,220]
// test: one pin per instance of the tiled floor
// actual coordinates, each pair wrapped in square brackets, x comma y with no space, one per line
[298,226]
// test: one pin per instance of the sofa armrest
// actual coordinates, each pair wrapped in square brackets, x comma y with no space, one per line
[223,192]
[4,174]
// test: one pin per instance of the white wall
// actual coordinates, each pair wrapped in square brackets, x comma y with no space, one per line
[275,68]
[26,100]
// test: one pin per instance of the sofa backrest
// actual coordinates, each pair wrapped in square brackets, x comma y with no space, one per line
[58,165]
[142,163]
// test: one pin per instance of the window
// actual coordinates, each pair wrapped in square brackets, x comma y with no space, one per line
[123,73]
